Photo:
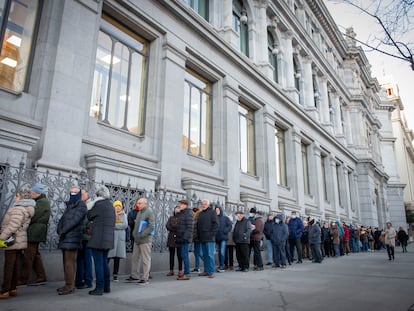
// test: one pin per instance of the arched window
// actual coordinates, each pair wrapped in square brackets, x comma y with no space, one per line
[273,50]
[239,25]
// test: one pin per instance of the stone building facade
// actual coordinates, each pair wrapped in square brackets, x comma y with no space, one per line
[250,102]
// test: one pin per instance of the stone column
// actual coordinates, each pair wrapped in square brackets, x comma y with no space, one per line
[308,83]
[270,173]
[231,151]
[262,57]
[298,169]
[347,196]
[337,113]
[68,91]
[288,59]
[319,191]
[173,73]
[334,199]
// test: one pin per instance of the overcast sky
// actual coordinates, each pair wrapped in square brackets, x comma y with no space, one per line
[364,26]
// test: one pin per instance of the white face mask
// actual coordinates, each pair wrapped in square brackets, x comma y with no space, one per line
[293,216]
[251,215]
[277,220]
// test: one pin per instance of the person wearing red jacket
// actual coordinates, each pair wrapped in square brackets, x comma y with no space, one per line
[345,239]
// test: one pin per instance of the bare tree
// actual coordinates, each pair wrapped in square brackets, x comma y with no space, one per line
[396,21]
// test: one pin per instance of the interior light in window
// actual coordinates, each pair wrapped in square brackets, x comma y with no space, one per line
[107,59]
[9,62]
[15,40]
[124,97]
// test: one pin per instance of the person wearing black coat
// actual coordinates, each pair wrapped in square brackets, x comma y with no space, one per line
[402,237]
[207,227]
[69,230]
[102,217]
[222,236]
[173,246]
[241,236]
[185,236]
[326,240]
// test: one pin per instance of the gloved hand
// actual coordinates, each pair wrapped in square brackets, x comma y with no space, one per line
[3,244]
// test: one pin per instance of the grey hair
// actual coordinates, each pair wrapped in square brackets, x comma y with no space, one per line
[24,193]
[102,191]
[205,200]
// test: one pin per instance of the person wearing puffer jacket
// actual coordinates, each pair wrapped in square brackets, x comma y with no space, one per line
[15,221]
[70,229]
[279,235]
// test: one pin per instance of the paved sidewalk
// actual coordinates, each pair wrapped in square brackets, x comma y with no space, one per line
[365,281]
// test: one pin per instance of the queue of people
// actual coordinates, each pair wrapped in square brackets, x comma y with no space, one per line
[98,230]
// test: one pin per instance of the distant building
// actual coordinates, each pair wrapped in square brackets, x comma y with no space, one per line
[250,102]
[403,143]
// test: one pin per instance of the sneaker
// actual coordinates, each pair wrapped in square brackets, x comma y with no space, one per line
[116,278]
[131,279]
[211,276]
[196,270]
[220,270]
[143,282]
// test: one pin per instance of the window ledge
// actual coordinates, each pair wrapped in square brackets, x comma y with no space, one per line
[11,92]
[141,137]
[211,162]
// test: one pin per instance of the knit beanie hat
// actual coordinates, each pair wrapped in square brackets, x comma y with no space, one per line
[38,188]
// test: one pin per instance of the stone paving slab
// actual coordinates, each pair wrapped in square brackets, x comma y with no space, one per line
[365,281]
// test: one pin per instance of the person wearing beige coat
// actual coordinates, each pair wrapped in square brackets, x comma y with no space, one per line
[390,234]
[15,221]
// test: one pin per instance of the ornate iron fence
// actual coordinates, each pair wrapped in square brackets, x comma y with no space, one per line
[58,185]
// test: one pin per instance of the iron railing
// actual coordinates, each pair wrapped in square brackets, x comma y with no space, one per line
[58,185]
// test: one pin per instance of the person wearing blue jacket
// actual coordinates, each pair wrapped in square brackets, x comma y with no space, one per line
[222,236]
[279,235]
[295,233]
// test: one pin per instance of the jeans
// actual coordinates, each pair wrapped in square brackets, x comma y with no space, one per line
[257,255]
[221,247]
[184,248]
[229,258]
[336,250]
[279,254]
[84,266]
[295,243]
[316,252]
[198,253]
[390,251]
[269,248]
[208,256]
[102,273]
